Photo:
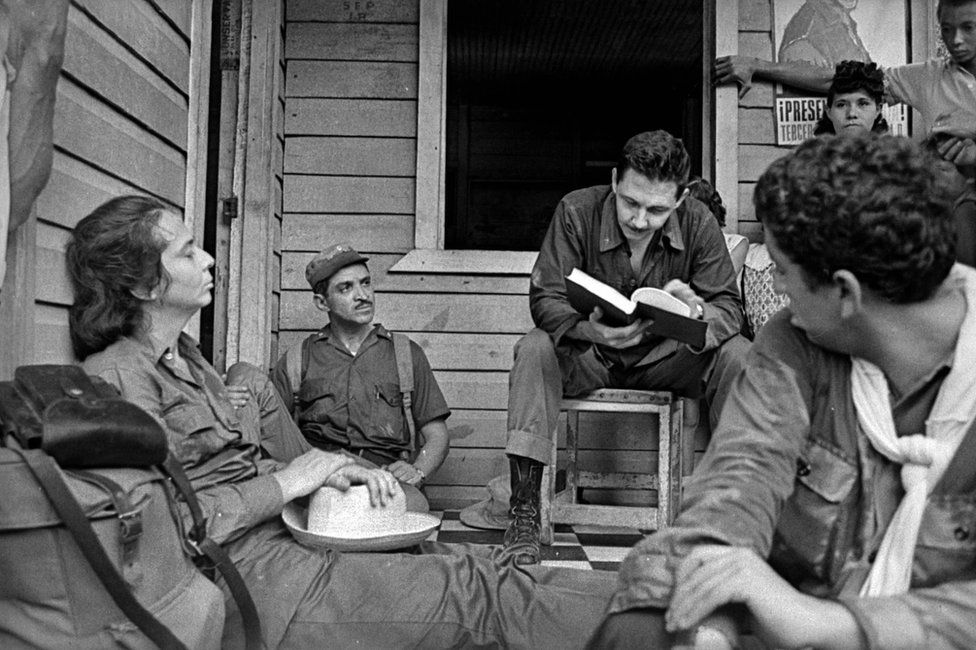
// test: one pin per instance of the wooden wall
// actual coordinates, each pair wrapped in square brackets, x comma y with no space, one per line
[349,176]
[757,135]
[120,127]
[756,125]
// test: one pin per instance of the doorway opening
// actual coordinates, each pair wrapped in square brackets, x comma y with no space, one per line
[542,95]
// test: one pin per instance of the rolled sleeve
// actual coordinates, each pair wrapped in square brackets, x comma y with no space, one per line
[233,509]
[429,403]
[887,623]
[943,616]
[713,279]
[903,83]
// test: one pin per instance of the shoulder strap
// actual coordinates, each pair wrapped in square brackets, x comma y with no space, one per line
[296,366]
[203,545]
[293,369]
[46,471]
[127,512]
[404,362]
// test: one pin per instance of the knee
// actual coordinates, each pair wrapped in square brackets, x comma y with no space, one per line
[732,354]
[416,500]
[534,344]
[639,628]
[245,374]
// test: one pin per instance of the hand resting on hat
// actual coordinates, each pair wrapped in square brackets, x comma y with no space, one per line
[316,468]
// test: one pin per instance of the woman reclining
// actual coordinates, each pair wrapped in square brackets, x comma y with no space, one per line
[139,278]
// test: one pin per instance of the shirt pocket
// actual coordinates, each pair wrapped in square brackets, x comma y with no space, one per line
[193,431]
[387,421]
[946,547]
[810,523]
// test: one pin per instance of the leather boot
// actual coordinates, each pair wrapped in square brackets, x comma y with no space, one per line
[522,535]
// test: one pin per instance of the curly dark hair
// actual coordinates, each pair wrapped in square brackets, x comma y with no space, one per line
[851,77]
[950,3]
[861,203]
[705,192]
[113,251]
[658,155]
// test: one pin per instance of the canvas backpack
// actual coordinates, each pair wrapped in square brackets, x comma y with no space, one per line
[93,552]
[296,366]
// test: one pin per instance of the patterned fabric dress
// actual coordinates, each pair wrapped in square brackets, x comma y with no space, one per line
[759,299]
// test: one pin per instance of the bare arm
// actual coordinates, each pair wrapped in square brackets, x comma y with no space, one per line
[742,69]
[435,449]
[430,457]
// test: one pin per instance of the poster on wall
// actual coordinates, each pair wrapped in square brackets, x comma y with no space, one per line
[826,32]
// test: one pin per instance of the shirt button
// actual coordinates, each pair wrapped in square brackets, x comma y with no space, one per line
[961,533]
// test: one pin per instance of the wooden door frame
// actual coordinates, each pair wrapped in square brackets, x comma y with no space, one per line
[251,268]
[718,140]
[725,109]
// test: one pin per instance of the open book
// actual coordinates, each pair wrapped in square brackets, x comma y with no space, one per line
[672,317]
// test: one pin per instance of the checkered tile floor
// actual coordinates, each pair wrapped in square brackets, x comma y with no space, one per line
[579,547]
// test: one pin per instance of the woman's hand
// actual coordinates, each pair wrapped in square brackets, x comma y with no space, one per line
[238,396]
[712,576]
[309,472]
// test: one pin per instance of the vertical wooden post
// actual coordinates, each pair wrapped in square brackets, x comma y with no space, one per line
[230,62]
[707,114]
[669,472]
[17,298]
[195,206]
[925,44]
[431,125]
[726,177]
[251,269]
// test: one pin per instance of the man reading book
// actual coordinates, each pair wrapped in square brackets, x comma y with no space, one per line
[642,230]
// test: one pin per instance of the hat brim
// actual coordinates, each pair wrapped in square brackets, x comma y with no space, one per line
[479,515]
[413,528]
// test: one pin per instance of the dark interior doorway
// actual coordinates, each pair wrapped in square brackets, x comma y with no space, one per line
[541,94]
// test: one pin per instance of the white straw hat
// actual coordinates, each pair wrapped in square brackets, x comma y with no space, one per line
[346,521]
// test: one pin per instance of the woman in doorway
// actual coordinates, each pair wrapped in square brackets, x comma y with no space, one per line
[854,100]
[139,277]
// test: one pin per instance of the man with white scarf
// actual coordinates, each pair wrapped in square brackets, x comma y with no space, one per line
[836,504]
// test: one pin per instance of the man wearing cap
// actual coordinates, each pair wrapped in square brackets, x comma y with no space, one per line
[349,398]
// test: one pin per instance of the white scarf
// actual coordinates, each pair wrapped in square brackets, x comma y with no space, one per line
[924,458]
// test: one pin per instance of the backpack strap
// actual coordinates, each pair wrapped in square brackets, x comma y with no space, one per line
[45,470]
[404,363]
[202,545]
[128,513]
[296,366]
